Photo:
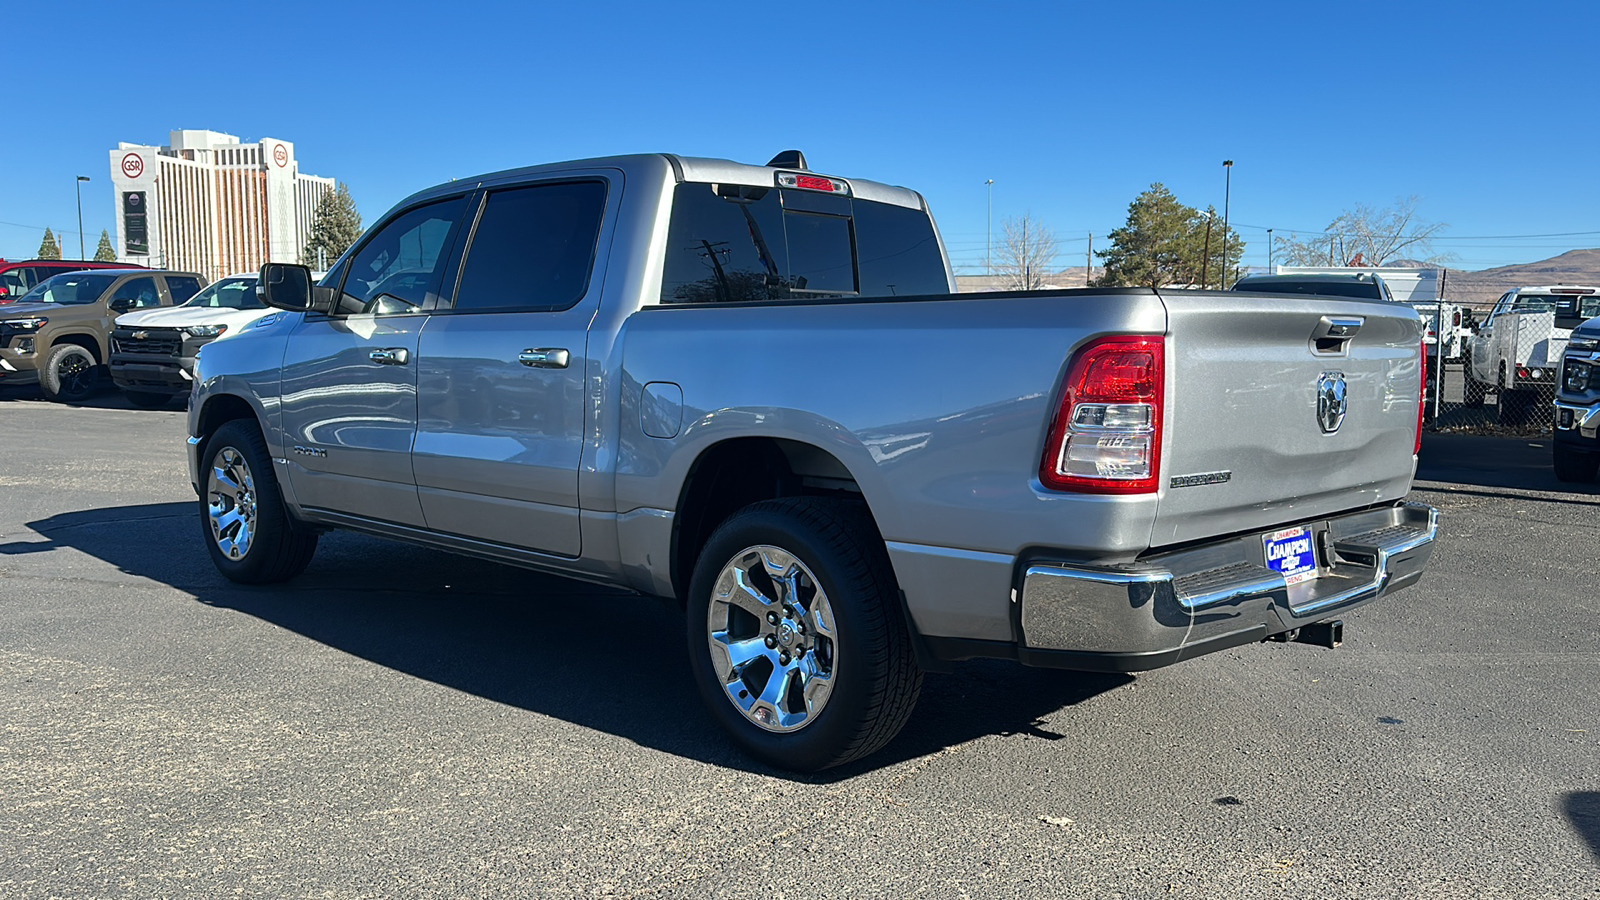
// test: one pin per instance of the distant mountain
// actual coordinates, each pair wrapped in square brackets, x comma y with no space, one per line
[1482,288]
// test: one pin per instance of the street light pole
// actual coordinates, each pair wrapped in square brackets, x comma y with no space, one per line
[1269,251]
[988,241]
[81,180]
[1227,190]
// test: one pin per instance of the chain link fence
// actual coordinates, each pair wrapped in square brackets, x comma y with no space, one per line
[1495,377]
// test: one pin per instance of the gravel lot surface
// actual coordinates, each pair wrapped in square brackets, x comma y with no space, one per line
[400,722]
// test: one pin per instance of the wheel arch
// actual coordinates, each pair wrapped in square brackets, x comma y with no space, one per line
[731,474]
[81,339]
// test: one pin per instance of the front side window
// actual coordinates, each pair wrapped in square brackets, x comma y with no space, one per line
[397,267]
[13,283]
[533,248]
[136,293]
[182,287]
[74,288]
[229,293]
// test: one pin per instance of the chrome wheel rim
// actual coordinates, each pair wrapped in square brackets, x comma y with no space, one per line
[773,639]
[231,502]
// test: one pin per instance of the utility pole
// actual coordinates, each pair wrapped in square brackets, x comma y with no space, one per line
[1269,252]
[1227,190]
[1026,257]
[988,241]
[1088,262]
[81,180]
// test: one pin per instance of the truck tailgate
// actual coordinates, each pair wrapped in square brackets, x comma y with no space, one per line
[1246,447]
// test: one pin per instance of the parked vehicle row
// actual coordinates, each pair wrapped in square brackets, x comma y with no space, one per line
[58,334]
[752,389]
[1515,353]
[19,277]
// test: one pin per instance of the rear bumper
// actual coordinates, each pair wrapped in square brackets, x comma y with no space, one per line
[1186,603]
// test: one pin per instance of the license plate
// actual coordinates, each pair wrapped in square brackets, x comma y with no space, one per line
[1292,554]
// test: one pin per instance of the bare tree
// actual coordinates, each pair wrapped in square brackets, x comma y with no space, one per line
[1026,254]
[1368,236]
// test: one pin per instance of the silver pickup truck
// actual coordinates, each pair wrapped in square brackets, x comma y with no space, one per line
[751,388]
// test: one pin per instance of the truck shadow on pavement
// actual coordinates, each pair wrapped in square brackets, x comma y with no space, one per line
[1492,463]
[590,655]
[1582,809]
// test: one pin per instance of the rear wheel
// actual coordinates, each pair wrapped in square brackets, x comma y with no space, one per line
[148,400]
[68,375]
[796,638]
[1575,466]
[248,530]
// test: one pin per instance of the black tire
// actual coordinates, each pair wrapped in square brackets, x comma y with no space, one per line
[148,400]
[276,548]
[871,668]
[1473,392]
[1574,466]
[69,374]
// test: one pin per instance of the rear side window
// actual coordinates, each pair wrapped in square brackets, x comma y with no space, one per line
[739,244]
[533,248]
[182,288]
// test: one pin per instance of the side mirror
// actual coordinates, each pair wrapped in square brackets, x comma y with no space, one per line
[287,286]
[121,305]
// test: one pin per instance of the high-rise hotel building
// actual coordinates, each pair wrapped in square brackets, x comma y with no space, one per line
[210,204]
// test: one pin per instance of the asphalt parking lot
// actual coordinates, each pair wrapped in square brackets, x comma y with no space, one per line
[400,722]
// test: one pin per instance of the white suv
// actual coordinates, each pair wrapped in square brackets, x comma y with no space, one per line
[152,351]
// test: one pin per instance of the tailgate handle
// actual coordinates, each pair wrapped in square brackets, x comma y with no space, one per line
[1332,335]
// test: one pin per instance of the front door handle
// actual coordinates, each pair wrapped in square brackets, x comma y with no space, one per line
[544,358]
[390,356]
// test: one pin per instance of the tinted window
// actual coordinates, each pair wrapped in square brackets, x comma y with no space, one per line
[533,247]
[137,293]
[72,288]
[182,287]
[229,293]
[725,247]
[898,252]
[742,243]
[398,266]
[821,254]
[1367,290]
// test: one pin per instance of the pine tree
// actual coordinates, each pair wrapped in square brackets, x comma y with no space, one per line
[105,252]
[1165,242]
[335,227]
[49,249]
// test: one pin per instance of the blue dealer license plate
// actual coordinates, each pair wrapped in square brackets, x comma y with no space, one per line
[1292,554]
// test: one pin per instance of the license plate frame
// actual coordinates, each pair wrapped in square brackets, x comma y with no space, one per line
[1292,553]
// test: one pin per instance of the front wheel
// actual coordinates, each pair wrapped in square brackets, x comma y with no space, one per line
[68,374]
[247,528]
[797,642]
[1575,466]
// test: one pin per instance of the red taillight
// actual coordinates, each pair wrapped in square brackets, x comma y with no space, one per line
[1422,404]
[1106,437]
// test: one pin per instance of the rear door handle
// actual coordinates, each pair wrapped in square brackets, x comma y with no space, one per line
[390,356]
[544,358]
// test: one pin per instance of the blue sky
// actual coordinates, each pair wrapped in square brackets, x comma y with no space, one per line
[1487,113]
